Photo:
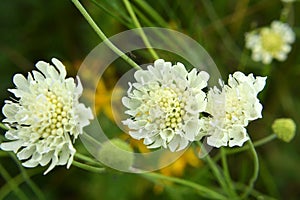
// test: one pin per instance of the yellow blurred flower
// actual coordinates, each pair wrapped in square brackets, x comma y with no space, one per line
[178,167]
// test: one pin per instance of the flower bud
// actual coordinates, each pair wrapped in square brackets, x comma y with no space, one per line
[116,154]
[284,128]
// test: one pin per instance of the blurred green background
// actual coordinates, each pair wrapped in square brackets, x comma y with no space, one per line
[36,30]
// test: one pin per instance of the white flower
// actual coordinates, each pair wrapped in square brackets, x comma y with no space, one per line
[270,42]
[46,117]
[165,105]
[231,108]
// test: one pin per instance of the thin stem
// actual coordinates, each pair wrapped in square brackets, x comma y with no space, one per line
[217,173]
[255,172]
[26,177]
[88,167]
[6,189]
[11,182]
[256,144]
[151,12]
[4,127]
[102,35]
[225,36]
[227,173]
[215,170]
[87,159]
[138,25]
[193,185]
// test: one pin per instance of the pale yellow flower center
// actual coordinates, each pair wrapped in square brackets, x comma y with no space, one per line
[171,102]
[271,41]
[57,119]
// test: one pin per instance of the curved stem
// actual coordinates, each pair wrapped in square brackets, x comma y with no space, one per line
[227,173]
[88,167]
[256,144]
[215,170]
[217,174]
[138,25]
[102,35]
[193,185]
[255,172]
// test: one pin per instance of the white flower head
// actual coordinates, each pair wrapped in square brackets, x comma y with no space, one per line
[232,108]
[165,105]
[270,42]
[46,118]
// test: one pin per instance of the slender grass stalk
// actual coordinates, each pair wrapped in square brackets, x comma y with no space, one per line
[12,184]
[148,9]
[138,25]
[6,189]
[202,189]
[88,167]
[103,36]
[225,36]
[255,172]
[27,179]
[227,173]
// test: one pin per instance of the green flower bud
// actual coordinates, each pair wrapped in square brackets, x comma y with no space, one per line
[284,128]
[116,154]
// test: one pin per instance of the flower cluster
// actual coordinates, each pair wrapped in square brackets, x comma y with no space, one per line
[169,108]
[46,118]
[270,42]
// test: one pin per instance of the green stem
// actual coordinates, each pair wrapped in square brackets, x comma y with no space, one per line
[217,173]
[256,144]
[255,172]
[227,173]
[148,9]
[215,170]
[254,192]
[26,177]
[87,159]
[4,127]
[228,41]
[102,35]
[138,25]
[6,189]
[88,167]
[11,182]
[193,185]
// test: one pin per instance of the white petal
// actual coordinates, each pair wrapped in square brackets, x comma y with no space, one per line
[21,82]
[191,129]
[30,163]
[11,146]
[238,135]
[26,153]
[61,68]
[84,115]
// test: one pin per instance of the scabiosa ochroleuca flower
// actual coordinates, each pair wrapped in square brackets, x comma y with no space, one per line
[46,118]
[270,42]
[164,105]
[231,108]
